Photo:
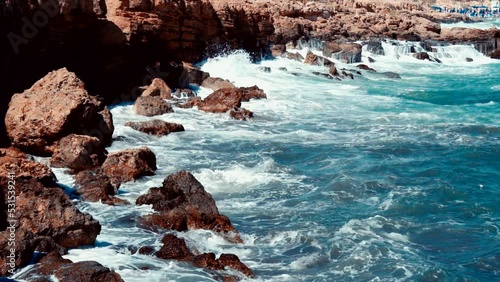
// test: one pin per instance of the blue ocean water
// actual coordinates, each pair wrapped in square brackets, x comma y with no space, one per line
[370,179]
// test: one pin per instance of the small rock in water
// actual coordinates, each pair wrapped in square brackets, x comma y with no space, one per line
[265,69]
[469,59]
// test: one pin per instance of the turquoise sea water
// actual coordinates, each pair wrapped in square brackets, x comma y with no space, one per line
[371,179]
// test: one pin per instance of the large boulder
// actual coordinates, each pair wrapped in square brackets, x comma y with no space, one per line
[78,152]
[130,164]
[21,242]
[54,107]
[158,87]
[182,204]
[151,106]
[156,127]
[174,248]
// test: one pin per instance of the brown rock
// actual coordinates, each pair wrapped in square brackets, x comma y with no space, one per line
[365,67]
[294,56]
[221,101]
[183,202]
[333,70]
[174,248]
[151,106]
[130,164]
[207,260]
[346,53]
[26,169]
[312,59]
[241,114]
[146,250]
[65,270]
[192,75]
[13,153]
[216,83]
[94,185]
[158,87]
[183,93]
[78,152]
[24,246]
[55,106]
[234,262]
[156,127]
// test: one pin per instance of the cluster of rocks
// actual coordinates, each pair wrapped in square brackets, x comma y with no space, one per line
[56,118]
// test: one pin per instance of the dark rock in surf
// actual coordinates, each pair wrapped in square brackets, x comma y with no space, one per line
[182,203]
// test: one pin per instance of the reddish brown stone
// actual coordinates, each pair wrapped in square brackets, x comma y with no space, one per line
[151,106]
[130,164]
[216,83]
[78,152]
[94,185]
[241,114]
[158,87]
[156,127]
[184,204]
[174,248]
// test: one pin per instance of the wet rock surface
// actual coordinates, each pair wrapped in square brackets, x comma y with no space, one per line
[151,106]
[129,165]
[55,106]
[156,127]
[182,204]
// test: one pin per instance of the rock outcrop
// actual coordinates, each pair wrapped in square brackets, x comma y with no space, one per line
[156,127]
[54,107]
[152,106]
[94,185]
[129,165]
[182,204]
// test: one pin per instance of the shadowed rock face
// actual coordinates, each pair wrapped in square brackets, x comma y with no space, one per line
[78,152]
[66,270]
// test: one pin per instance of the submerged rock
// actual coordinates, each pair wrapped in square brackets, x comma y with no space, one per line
[54,107]
[130,164]
[156,127]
